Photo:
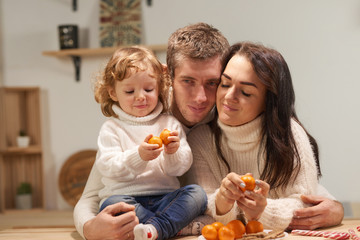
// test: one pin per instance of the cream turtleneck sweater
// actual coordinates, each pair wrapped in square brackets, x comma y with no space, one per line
[241,146]
[118,160]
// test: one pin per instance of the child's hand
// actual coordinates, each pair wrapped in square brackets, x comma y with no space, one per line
[174,142]
[148,151]
[254,202]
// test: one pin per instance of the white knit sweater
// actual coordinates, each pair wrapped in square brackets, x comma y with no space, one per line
[118,160]
[241,147]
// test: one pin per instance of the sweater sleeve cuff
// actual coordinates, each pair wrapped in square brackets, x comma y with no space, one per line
[211,210]
[135,162]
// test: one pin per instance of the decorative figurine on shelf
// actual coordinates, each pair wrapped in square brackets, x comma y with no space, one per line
[23,140]
[24,196]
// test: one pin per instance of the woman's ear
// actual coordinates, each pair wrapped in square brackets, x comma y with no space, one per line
[112,94]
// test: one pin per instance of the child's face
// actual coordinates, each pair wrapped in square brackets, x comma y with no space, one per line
[136,95]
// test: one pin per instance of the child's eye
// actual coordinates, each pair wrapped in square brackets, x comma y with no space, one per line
[149,90]
[129,92]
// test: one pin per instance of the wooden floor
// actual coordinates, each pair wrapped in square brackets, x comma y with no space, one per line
[38,224]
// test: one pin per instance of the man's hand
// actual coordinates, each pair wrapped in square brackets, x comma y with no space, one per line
[324,212]
[108,226]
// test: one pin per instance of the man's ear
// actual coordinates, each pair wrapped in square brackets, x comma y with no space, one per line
[165,68]
[112,94]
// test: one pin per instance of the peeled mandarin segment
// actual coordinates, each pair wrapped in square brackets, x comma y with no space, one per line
[155,140]
[249,183]
[164,136]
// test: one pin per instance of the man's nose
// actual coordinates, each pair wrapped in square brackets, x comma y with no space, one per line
[200,94]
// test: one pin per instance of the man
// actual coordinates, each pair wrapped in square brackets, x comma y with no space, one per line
[194,64]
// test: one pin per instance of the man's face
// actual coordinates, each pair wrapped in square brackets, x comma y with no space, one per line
[194,89]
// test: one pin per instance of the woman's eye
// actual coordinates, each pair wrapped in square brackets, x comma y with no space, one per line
[245,94]
[225,85]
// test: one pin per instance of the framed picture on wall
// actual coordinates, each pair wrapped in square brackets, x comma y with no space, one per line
[120,22]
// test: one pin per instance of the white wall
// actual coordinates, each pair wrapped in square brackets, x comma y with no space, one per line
[320,40]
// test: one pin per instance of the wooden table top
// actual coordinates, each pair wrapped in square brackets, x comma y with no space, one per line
[17,226]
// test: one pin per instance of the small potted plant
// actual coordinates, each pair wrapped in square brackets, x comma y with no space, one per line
[24,196]
[23,140]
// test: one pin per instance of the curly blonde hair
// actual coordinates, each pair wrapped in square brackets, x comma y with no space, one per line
[123,63]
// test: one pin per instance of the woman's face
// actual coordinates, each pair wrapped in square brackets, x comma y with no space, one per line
[240,97]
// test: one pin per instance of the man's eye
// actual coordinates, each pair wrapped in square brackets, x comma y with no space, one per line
[187,81]
[245,94]
[213,83]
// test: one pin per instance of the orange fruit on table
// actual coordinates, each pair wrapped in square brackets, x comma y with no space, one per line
[226,233]
[238,227]
[249,183]
[209,232]
[164,136]
[217,225]
[155,140]
[254,227]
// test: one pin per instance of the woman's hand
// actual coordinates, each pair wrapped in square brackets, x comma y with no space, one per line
[228,193]
[148,151]
[253,203]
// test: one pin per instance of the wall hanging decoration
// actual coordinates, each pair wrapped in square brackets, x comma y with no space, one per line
[120,23]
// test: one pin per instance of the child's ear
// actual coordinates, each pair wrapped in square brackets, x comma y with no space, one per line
[112,94]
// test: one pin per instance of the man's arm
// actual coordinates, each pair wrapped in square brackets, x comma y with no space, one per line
[104,225]
[324,212]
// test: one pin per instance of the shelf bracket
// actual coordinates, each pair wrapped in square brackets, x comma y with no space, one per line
[77,62]
[149,2]
[74,5]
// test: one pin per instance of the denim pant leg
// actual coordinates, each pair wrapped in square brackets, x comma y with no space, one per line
[142,213]
[177,209]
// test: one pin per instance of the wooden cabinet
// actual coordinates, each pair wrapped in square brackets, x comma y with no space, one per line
[20,110]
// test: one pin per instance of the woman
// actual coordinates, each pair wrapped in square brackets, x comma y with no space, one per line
[257,132]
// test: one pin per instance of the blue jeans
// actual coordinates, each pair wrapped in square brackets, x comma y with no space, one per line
[168,213]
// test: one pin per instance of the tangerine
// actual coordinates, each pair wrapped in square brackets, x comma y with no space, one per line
[249,183]
[254,227]
[209,232]
[217,225]
[164,136]
[238,227]
[155,140]
[226,233]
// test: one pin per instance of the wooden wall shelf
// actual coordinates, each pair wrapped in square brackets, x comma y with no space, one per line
[20,110]
[77,53]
